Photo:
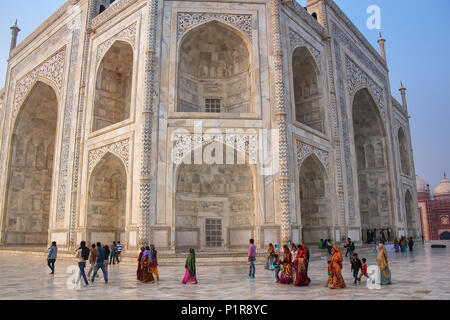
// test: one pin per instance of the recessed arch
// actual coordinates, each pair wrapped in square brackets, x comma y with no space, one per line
[370,143]
[314,200]
[410,217]
[308,93]
[30,170]
[106,207]
[113,86]
[214,70]
[404,153]
[207,193]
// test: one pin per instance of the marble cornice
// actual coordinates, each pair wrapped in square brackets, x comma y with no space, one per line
[343,17]
[111,12]
[45,25]
[306,17]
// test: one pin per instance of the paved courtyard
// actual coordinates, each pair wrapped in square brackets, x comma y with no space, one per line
[421,274]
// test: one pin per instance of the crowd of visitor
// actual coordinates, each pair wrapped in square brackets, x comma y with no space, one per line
[290,265]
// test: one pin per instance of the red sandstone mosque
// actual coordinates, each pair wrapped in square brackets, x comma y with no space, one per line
[434,209]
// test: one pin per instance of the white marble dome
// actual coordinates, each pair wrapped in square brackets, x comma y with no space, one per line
[422,185]
[442,191]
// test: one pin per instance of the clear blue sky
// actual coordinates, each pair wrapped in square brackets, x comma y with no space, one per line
[417,34]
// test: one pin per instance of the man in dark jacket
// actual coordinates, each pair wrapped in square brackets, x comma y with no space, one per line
[356,266]
[100,264]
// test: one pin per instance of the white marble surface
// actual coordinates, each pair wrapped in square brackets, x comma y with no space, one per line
[422,274]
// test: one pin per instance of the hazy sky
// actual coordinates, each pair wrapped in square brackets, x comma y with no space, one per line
[417,46]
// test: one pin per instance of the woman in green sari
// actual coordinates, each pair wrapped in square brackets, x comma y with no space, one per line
[191,272]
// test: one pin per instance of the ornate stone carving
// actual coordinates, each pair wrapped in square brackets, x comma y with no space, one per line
[280,108]
[51,69]
[305,150]
[121,149]
[128,34]
[186,20]
[110,12]
[147,208]
[357,77]
[296,40]
[184,144]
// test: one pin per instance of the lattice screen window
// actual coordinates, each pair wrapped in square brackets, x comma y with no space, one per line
[212,105]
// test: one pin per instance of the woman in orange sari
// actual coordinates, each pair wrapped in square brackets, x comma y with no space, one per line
[302,267]
[336,265]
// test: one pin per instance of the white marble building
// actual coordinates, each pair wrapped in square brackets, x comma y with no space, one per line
[104,102]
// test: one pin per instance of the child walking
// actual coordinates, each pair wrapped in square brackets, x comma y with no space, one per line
[363,270]
[330,274]
[356,266]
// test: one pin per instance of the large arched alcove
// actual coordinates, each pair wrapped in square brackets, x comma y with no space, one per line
[307,90]
[373,180]
[31,168]
[314,199]
[214,71]
[214,206]
[404,154]
[113,86]
[106,210]
[410,217]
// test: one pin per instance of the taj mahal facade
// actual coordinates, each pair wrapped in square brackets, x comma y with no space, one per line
[201,124]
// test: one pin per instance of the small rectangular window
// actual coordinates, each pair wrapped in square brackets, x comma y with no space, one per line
[212,105]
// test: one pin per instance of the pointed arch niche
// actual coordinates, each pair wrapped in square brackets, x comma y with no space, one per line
[307,90]
[113,86]
[106,209]
[31,168]
[410,219]
[316,214]
[404,154]
[214,70]
[372,170]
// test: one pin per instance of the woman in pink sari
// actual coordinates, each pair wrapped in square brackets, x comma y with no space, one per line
[191,272]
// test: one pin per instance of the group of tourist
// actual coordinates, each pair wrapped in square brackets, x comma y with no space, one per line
[371,236]
[403,244]
[292,266]
[98,256]
[148,264]
[326,244]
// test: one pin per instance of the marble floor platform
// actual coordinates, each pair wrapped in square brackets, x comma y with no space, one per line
[421,274]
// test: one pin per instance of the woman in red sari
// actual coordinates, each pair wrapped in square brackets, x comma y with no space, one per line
[139,271]
[286,273]
[336,265]
[302,267]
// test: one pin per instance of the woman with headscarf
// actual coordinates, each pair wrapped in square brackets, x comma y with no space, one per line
[294,255]
[396,245]
[270,254]
[146,272]
[383,264]
[336,265]
[191,271]
[154,262]
[286,273]
[302,267]
[139,271]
